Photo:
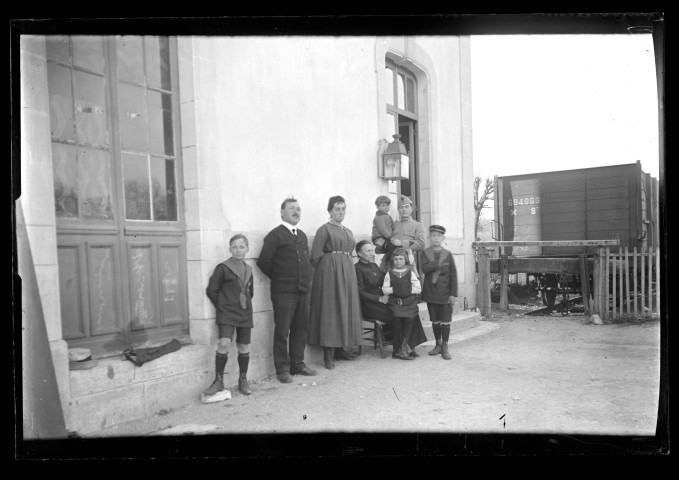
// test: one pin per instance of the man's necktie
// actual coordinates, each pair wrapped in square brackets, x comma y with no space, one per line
[294,231]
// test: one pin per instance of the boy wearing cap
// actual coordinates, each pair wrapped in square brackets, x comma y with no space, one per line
[383,228]
[439,289]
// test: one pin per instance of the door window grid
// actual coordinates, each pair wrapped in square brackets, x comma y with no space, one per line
[147,136]
[79,125]
[82,83]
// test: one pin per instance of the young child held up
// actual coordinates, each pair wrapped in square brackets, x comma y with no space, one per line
[383,228]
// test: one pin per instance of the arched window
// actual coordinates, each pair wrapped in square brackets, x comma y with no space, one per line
[401,111]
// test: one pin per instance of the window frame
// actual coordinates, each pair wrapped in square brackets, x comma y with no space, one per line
[167,236]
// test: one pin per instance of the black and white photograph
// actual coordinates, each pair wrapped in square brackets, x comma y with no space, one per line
[369,236]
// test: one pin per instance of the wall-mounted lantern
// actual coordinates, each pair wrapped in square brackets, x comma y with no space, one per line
[396,160]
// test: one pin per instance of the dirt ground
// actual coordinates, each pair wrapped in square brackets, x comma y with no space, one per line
[538,375]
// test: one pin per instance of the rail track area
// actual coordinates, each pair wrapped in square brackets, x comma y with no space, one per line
[544,295]
[551,286]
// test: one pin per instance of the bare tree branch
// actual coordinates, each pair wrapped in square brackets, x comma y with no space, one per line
[480,201]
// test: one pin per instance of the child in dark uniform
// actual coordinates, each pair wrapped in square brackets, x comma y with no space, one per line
[383,228]
[230,290]
[439,289]
[403,287]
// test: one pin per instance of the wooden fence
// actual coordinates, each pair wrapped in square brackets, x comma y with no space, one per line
[622,284]
[626,283]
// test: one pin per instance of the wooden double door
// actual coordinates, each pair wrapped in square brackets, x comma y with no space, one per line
[117,183]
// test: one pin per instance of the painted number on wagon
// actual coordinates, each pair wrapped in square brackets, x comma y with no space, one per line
[513,202]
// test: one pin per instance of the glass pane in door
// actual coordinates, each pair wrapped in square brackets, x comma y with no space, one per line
[158,62]
[62,122]
[65,168]
[160,123]
[136,185]
[58,49]
[90,108]
[88,53]
[163,187]
[94,183]
[133,117]
[130,59]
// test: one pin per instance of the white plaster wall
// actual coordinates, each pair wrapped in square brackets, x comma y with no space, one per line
[296,123]
[279,116]
[262,119]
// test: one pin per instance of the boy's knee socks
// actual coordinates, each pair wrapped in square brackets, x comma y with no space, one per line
[243,361]
[220,362]
[437,331]
[445,332]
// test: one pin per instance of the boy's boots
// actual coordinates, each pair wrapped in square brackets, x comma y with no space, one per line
[437,349]
[217,385]
[444,351]
[243,384]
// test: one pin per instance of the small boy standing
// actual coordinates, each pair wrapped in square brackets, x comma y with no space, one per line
[403,287]
[230,290]
[383,228]
[439,289]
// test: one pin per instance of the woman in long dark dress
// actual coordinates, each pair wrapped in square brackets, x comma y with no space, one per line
[335,318]
[374,302]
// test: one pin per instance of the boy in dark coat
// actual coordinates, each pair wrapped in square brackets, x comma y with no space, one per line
[439,289]
[230,290]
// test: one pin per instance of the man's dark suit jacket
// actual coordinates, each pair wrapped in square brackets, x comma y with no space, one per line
[285,260]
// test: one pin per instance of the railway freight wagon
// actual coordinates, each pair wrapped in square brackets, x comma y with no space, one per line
[599,203]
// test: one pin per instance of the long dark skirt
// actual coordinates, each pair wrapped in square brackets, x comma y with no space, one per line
[381,312]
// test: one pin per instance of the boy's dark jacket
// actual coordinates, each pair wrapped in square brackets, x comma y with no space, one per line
[285,260]
[224,291]
[446,284]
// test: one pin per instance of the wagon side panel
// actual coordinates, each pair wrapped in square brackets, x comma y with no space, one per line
[522,213]
[609,216]
[563,210]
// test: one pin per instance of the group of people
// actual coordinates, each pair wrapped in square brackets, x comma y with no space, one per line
[321,297]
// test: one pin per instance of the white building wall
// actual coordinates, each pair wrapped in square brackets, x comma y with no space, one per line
[261,119]
[37,197]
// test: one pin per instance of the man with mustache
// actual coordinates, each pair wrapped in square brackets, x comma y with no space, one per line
[285,260]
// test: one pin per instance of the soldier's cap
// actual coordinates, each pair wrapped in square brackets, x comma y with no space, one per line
[437,228]
[404,200]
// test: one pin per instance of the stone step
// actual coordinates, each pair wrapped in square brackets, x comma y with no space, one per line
[462,320]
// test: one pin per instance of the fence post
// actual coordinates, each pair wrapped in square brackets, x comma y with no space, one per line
[643,282]
[584,283]
[483,282]
[596,283]
[636,290]
[504,275]
[650,281]
[620,283]
[657,280]
[602,282]
[607,271]
[627,286]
